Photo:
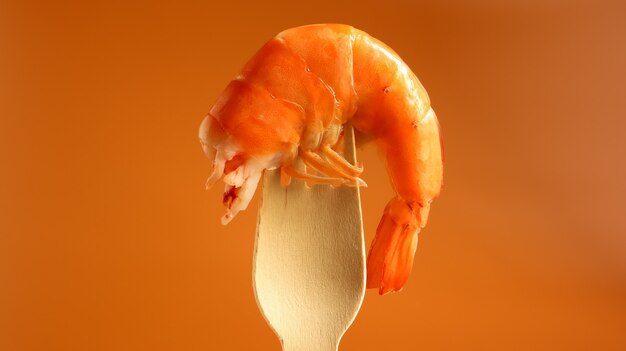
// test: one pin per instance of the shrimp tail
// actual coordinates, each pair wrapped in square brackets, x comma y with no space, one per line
[390,258]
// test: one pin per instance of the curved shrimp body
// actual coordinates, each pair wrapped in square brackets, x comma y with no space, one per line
[289,103]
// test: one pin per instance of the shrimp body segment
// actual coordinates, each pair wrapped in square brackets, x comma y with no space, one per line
[287,108]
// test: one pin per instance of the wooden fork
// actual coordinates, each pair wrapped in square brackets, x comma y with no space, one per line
[309,260]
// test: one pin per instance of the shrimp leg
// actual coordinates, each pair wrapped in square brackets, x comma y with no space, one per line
[313,160]
[289,170]
[338,161]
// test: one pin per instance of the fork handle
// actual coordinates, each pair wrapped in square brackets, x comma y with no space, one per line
[311,343]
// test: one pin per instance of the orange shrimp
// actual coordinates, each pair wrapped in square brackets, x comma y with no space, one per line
[290,102]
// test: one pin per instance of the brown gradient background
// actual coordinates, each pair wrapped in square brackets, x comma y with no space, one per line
[108,241]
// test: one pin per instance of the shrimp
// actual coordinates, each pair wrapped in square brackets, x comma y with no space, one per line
[288,107]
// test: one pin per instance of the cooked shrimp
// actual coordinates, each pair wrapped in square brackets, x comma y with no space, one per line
[289,104]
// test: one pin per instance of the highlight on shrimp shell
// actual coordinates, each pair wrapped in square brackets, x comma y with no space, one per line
[287,107]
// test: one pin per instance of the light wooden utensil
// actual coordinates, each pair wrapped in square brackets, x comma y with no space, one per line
[309,260]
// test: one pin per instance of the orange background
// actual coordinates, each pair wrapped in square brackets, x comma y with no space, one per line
[108,241]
